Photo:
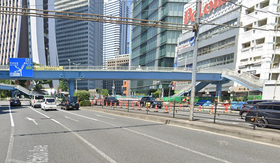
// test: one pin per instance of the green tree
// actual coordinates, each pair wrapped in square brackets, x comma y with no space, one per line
[82,95]
[62,85]
[22,82]
[157,93]
[103,92]
[38,85]
[5,93]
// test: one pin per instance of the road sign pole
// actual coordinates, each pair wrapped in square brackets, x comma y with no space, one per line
[196,35]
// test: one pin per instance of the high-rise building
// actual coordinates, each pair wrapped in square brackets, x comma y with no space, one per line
[152,46]
[80,43]
[114,35]
[28,37]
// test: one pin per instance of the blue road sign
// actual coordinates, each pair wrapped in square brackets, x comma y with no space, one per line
[21,67]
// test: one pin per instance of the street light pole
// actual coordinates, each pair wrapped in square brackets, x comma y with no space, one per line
[76,79]
[69,63]
[196,35]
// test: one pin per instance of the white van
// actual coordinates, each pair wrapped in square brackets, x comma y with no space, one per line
[36,100]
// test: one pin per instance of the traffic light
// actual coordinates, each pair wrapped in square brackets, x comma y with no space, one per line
[195,26]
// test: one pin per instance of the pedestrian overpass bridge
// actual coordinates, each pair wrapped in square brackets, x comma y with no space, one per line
[72,73]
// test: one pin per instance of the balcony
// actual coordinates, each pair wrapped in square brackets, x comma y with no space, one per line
[257,62]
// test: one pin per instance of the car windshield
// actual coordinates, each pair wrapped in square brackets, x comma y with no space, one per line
[152,99]
[112,98]
[39,97]
[50,100]
[72,99]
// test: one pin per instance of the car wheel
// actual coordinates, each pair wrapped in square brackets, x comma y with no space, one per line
[262,122]
[243,115]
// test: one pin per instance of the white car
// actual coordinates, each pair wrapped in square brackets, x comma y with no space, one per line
[49,104]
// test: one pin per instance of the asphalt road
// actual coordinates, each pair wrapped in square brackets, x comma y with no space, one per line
[88,136]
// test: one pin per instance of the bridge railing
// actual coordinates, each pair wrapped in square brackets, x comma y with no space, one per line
[117,68]
[244,77]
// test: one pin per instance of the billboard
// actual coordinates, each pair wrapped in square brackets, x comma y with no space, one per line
[21,67]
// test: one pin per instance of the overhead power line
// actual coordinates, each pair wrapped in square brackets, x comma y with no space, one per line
[91,17]
[108,19]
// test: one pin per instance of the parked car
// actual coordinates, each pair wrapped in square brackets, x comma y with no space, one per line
[49,104]
[15,102]
[249,104]
[70,103]
[36,100]
[111,99]
[152,102]
[265,114]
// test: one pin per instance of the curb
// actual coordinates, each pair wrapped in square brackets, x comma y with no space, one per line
[271,136]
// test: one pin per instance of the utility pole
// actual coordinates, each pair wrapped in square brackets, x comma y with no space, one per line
[196,35]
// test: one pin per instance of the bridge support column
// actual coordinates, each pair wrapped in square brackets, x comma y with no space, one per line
[71,87]
[219,90]
[13,94]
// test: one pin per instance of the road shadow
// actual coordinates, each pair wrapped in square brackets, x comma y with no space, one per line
[86,130]
[4,109]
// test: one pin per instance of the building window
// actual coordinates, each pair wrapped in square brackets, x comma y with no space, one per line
[246,45]
[248,27]
[264,4]
[250,10]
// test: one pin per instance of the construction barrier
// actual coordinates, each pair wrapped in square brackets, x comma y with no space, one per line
[156,109]
[166,109]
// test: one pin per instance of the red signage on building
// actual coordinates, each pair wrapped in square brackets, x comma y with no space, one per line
[213,4]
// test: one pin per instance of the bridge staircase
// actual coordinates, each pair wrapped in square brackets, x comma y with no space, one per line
[17,87]
[187,89]
[246,79]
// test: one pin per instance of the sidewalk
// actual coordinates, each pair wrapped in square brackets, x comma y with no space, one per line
[271,136]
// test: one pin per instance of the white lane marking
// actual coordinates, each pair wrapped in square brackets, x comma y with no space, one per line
[11,117]
[80,115]
[39,112]
[81,138]
[103,116]
[55,121]
[10,148]
[33,120]
[71,119]
[160,140]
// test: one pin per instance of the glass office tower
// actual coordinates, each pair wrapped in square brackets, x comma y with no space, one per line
[154,47]
[80,43]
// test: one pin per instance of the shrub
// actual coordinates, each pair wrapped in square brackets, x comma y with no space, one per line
[85,103]
[82,95]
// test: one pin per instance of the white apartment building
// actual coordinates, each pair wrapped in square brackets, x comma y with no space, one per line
[28,37]
[259,44]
